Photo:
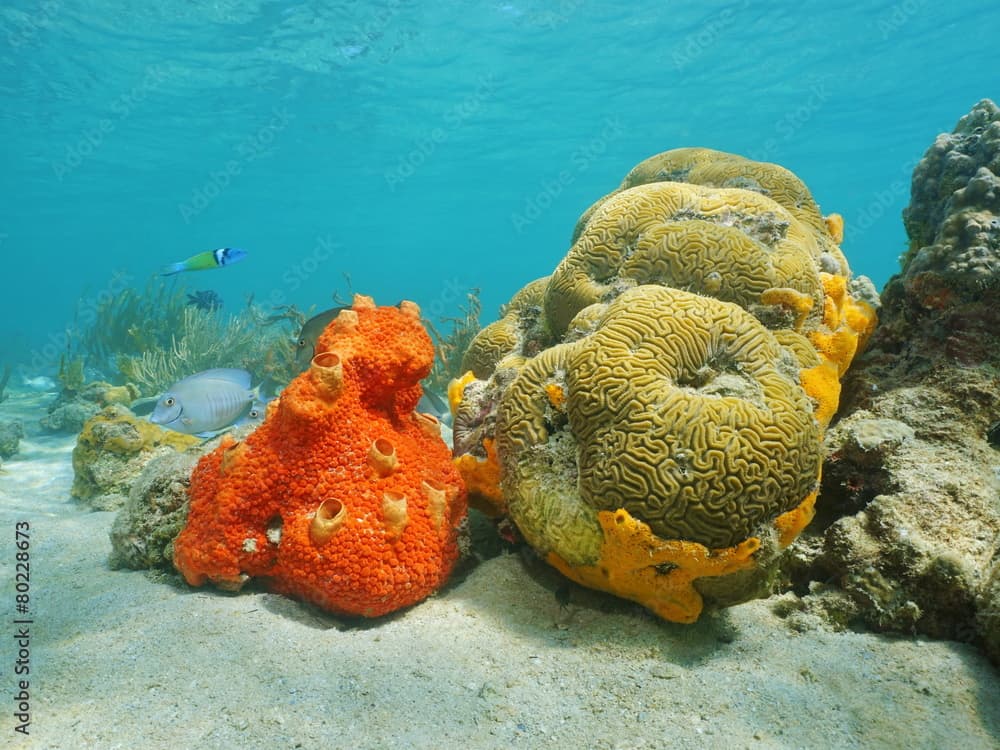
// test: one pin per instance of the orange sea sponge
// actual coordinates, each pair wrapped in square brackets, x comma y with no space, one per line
[482,480]
[657,573]
[344,496]
[665,575]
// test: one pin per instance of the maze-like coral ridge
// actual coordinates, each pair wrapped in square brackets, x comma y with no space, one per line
[725,243]
[709,168]
[676,408]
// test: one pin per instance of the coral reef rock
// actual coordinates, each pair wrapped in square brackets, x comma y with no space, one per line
[651,414]
[72,408]
[142,536]
[144,530]
[111,450]
[909,519]
[988,611]
[10,438]
[345,496]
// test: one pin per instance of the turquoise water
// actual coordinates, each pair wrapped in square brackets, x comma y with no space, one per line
[428,148]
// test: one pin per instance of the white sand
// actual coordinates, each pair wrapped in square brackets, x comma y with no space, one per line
[119,660]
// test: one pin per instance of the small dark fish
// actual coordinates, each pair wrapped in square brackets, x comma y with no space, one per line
[305,344]
[207,300]
[224,256]
[993,434]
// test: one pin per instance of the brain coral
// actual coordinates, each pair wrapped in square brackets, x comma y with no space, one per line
[727,243]
[654,408]
[683,410]
[504,336]
[344,496]
[709,168]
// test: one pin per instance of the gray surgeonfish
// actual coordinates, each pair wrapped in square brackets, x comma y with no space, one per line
[206,402]
[432,403]
[258,410]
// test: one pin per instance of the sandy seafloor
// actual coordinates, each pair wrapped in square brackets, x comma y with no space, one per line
[122,660]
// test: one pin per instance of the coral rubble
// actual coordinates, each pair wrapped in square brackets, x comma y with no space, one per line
[653,409]
[345,496]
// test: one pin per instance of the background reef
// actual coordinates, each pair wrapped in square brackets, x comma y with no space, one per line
[425,149]
[135,343]
[153,337]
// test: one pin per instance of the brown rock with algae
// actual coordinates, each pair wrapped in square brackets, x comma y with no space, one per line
[144,530]
[910,517]
[111,450]
[77,402]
